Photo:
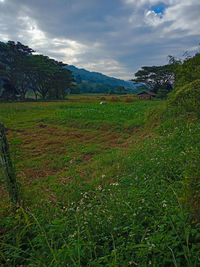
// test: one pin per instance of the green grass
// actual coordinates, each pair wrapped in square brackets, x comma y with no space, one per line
[118,115]
[109,185]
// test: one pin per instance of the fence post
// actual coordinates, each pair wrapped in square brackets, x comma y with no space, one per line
[7,167]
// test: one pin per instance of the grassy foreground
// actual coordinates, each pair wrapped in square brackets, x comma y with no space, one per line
[102,185]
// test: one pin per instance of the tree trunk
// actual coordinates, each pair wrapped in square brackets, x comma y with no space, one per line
[36,96]
[7,167]
[43,95]
[23,96]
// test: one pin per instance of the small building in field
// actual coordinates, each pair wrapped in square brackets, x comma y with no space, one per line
[146,95]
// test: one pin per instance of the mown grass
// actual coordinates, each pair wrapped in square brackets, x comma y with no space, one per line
[102,185]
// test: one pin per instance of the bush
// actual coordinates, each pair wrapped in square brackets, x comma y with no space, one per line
[187,96]
[114,99]
[128,100]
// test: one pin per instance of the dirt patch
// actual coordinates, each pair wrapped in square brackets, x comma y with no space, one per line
[44,137]
[149,135]
[32,174]
[112,140]
[87,157]
[41,146]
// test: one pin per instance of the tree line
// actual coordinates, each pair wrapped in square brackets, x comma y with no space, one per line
[163,79]
[22,71]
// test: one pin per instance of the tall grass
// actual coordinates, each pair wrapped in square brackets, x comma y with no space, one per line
[135,211]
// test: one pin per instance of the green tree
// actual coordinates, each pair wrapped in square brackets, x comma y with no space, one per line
[157,77]
[40,72]
[61,82]
[13,58]
[21,71]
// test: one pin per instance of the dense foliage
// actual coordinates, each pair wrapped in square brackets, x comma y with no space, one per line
[188,71]
[187,85]
[22,71]
[97,88]
[163,79]
[158,79]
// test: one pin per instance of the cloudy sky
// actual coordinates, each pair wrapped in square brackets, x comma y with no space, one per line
[115,37]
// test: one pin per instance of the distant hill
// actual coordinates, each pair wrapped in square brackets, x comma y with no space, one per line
[82,75]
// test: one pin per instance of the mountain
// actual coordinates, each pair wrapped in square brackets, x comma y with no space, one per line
[82,75]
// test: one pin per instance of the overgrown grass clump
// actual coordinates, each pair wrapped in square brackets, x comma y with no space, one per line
[187,97]
[135,205]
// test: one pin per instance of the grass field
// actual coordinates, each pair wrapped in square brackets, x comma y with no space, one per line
[101,185]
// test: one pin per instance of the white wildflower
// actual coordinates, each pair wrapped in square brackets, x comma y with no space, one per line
[115,184]
[99,187]
[164,203]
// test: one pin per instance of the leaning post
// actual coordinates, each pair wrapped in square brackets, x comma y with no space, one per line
[7,167]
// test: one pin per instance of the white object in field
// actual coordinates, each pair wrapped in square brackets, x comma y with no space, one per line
[103,103]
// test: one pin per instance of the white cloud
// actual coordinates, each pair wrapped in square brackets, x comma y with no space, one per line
[182,15]
[67,50]
[31,32]
[141,3]
[153,19]
[115,39]
[109,67]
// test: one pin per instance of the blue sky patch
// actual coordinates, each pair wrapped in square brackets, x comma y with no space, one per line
[159,8]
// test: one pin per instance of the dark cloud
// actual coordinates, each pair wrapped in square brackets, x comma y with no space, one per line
[114,37]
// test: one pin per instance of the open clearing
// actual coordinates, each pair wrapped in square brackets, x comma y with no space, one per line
[66,139]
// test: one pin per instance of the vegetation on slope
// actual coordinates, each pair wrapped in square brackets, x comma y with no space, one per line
[95,82]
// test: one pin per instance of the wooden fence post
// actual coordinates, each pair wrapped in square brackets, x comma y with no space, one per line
[7,167]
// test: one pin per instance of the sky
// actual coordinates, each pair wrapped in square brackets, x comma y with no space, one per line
[114,37]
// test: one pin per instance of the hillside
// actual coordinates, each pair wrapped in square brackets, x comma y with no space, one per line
[99,78]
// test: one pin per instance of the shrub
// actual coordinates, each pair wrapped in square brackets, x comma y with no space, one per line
[114,99]
[187,96]
[128,100]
